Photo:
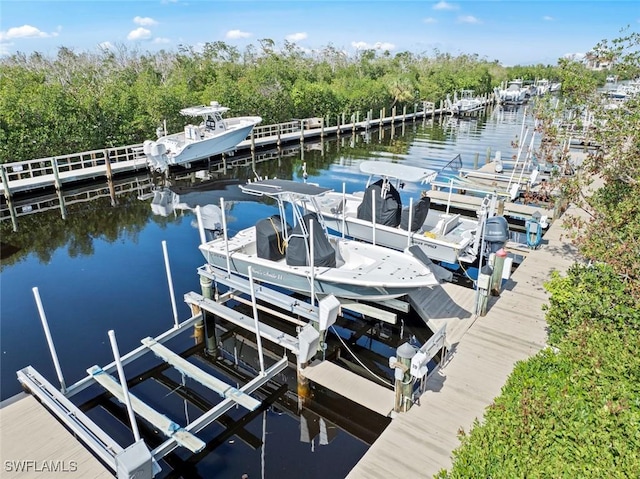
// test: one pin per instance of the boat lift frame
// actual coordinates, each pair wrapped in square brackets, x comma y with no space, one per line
[124,461]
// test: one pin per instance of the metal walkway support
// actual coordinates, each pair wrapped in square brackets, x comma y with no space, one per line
[207,380]
[267,332]
[160,421]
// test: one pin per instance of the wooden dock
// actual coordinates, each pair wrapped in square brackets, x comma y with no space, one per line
[33,444]
[419,443]
[350,385]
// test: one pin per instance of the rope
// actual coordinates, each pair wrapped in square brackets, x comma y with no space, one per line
[383,380]
[282,245]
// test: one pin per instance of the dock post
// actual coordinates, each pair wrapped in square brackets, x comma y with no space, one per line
[301,131]
[483,286]
[253,141]
[404,113]
[47,333]
[321,127]
[475,160]
[9,197]
[496,277]
[107,164]
[303,389]
[58,184]
[208,319]
[338,125]
[488,158]
[279,142]
[383,113]
[403,385]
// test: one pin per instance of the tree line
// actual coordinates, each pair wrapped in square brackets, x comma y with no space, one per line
[74,102]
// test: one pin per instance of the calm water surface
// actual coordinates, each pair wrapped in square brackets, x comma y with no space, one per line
[102,268]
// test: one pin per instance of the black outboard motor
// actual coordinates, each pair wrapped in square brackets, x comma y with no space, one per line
[388,207]
[496,233]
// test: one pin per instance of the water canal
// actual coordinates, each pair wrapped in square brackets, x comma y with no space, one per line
[102,268]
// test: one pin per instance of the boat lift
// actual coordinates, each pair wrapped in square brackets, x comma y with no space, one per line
[136,460]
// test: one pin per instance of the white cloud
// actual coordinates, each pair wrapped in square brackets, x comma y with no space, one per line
[25,31]
[235,34]
[468,19]
[139,34]
[161,40]
[144,21]
[429,20]
[548,18]
[375,46]
[296,37]
[445,6]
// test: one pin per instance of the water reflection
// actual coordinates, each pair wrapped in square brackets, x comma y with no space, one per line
[99,266]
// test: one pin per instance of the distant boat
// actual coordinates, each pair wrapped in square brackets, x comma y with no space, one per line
[514,94]
[464,105]
[212,136]
[279,254]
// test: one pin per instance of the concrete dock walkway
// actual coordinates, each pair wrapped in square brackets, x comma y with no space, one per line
[419,443]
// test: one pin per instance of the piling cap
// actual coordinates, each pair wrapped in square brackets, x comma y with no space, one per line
[406,351]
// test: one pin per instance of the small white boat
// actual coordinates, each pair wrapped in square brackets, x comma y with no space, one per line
[514,94]
[465,104]
[212,136]
[279,254]
[441,236]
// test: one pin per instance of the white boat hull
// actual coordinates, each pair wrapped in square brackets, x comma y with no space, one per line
[364,271]
[178,149]
[451,247]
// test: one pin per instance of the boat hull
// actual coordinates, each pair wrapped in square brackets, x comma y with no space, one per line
[450,247]
[397,239]
[210,147]
[392,275]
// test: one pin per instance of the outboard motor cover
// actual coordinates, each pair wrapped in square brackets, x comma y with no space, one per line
[496,233]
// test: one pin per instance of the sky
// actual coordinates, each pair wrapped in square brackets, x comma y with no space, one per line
[514,32]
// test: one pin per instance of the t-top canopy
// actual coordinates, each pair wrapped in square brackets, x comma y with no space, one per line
[412,174]
[275,188]
[204,110]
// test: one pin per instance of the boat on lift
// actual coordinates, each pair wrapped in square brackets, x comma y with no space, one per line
[212,136]
[302,256]
[378,216]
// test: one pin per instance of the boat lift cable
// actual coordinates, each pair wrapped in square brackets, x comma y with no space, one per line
[381,379]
